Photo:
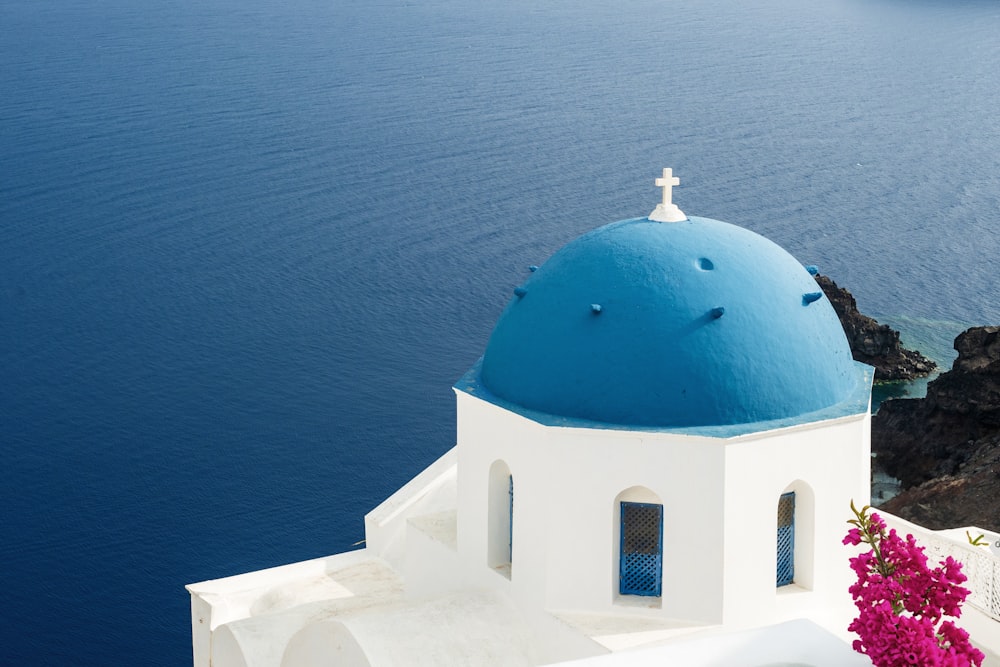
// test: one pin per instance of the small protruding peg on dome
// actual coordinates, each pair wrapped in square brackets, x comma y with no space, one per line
[596,308]
[667,211]
[717,312]
[812,269]
[809,297]
[519,292]
[532,268]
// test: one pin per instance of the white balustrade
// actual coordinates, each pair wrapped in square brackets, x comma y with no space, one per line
[979,564]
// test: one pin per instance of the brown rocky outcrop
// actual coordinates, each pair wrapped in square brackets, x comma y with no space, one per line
[945,448]
[970,497]
[873,343]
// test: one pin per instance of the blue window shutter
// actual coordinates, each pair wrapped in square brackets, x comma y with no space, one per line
[640,569]
[510,521]
[786,539]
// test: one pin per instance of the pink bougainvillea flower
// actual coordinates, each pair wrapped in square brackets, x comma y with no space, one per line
[902,602]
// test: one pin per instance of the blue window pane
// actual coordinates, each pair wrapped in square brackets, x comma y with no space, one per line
[786,539]
[641,565]
[510,519]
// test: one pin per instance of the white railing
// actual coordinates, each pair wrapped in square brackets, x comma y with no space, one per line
[978,563]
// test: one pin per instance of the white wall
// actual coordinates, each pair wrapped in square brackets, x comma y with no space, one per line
[433,490]
[828,465]
[719,498]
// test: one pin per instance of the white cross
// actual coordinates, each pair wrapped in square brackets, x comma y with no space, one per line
[667,183]
[667,211]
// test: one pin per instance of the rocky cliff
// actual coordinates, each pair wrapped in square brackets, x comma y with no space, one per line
[873,343]
[945,448]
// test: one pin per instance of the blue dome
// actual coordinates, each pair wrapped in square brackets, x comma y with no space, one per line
[687,324]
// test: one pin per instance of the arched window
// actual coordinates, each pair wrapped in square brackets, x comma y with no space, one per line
[501,518]
[640,568]
[786,539]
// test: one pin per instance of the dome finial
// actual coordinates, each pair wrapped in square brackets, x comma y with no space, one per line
[667,211]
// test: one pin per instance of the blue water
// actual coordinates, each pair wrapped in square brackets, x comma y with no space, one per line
[247,247]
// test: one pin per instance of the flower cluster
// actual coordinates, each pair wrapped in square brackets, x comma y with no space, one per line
[902,603]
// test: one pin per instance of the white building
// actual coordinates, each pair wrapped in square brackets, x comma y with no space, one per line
[657,449]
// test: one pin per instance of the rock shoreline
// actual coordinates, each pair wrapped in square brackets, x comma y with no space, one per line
[945,448]
[873,343]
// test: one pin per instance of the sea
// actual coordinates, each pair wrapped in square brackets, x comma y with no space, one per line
[247,247]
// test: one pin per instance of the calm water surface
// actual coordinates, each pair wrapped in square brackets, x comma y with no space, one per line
[247,247]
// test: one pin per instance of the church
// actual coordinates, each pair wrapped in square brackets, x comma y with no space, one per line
[655,459]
